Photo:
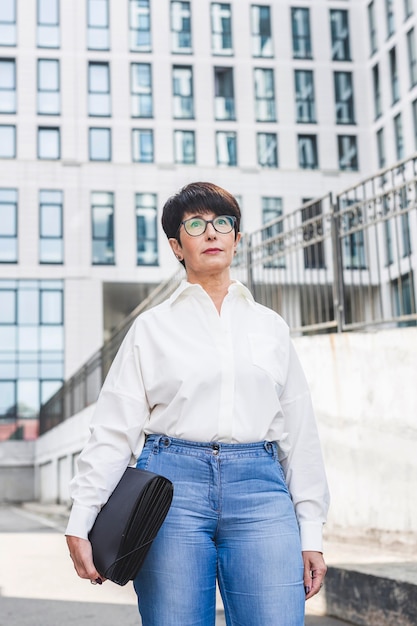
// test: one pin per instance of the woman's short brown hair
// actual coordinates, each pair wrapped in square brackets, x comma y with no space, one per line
[199,198]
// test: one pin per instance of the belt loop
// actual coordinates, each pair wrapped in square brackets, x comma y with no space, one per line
[271,448]
[156,444]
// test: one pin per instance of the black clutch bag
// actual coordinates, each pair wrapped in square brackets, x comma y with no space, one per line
[128,523]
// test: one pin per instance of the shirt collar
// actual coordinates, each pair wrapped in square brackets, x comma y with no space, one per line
[185,288]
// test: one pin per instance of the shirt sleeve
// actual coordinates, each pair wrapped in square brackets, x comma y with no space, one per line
[303,465]
[116,435]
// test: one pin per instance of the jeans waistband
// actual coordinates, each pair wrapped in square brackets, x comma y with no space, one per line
[163,442]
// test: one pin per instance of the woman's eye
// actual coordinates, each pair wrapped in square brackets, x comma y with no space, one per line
[195,224]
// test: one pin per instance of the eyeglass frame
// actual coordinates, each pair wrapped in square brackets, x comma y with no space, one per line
[233,226]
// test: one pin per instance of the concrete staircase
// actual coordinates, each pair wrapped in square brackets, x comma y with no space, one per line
[370,584]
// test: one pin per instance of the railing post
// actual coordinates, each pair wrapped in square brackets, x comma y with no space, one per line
[338,286]
[248,252]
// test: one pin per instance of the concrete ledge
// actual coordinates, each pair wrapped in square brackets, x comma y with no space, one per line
[377,594]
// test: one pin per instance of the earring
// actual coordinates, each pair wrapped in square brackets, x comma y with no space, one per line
[178,257]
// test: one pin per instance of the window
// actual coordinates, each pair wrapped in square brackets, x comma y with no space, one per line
[221,28]
[314,257]
[184,144]
[224,103]
[8,226]
[226,148]
[344,98]
[380,144]
[8,23]
[267,147]
[395,86]
[141,90]
[99,144]
[48,24]
[307,152]
[140,26]
[372,28]
[146,229]
[48,87]
[399,137]
[31,346]
[340,35]
[412,57]
[414,110]
[51,248]
[408,8]
[102,207]
[99,90]
[272,236]
[182,78]
[261,31]
[181,27]
[7,142]
[304,97]
[389,10]
[142,146]
[348,153]
[264,95]
[405,222]
[353,242]
[377,91]
[98,36]
[49,143]
[404,297]
[301,38]
[7,86]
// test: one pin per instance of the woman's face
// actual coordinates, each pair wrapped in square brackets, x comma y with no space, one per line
[206,254]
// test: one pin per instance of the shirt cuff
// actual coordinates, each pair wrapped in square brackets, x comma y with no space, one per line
[81,520]
[311,534]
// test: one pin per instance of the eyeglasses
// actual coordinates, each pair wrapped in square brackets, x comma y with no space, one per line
[196,226]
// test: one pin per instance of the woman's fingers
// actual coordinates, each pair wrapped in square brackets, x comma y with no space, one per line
[314,572]
[82,556]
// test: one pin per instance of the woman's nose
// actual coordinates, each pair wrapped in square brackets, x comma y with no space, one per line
[210,231]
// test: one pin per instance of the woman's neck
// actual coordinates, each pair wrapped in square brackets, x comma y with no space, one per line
[216,286]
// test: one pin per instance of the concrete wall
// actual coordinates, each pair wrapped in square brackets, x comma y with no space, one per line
[16,471]
[365,395]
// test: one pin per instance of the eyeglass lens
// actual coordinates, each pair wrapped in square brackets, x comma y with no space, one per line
[197,225]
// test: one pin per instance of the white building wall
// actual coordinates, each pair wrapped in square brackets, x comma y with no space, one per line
[77,177]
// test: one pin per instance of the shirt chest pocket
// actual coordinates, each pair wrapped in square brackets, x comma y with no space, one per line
[267,354]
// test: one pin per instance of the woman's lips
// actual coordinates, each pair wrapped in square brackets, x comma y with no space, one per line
[212,250]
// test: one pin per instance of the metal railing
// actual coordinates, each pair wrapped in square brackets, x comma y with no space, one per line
[333,265]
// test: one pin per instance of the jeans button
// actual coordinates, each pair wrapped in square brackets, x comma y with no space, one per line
[216,448]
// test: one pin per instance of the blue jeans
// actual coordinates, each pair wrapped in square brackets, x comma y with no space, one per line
[231,520]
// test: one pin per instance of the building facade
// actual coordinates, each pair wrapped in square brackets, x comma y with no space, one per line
[107,107]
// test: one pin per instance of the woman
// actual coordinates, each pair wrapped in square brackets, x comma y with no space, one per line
[207,390]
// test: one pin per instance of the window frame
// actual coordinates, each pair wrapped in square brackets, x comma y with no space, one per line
[91,131]
[138,132]
[109,239]
[143,206]
[56,91]
[137,91]
[268,139]
[46,129]
[43,202]
[94,27]
[180,156]
[49,26]
[12,155]
[14,203]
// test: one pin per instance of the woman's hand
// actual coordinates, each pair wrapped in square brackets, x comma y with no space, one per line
[314,572]
[82,556]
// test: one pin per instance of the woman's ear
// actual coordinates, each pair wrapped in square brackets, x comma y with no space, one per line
[237,239]
[176,248]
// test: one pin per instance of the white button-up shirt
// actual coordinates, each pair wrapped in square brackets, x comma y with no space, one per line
[185,371]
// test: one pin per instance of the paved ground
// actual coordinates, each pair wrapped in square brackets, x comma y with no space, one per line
[38,586]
